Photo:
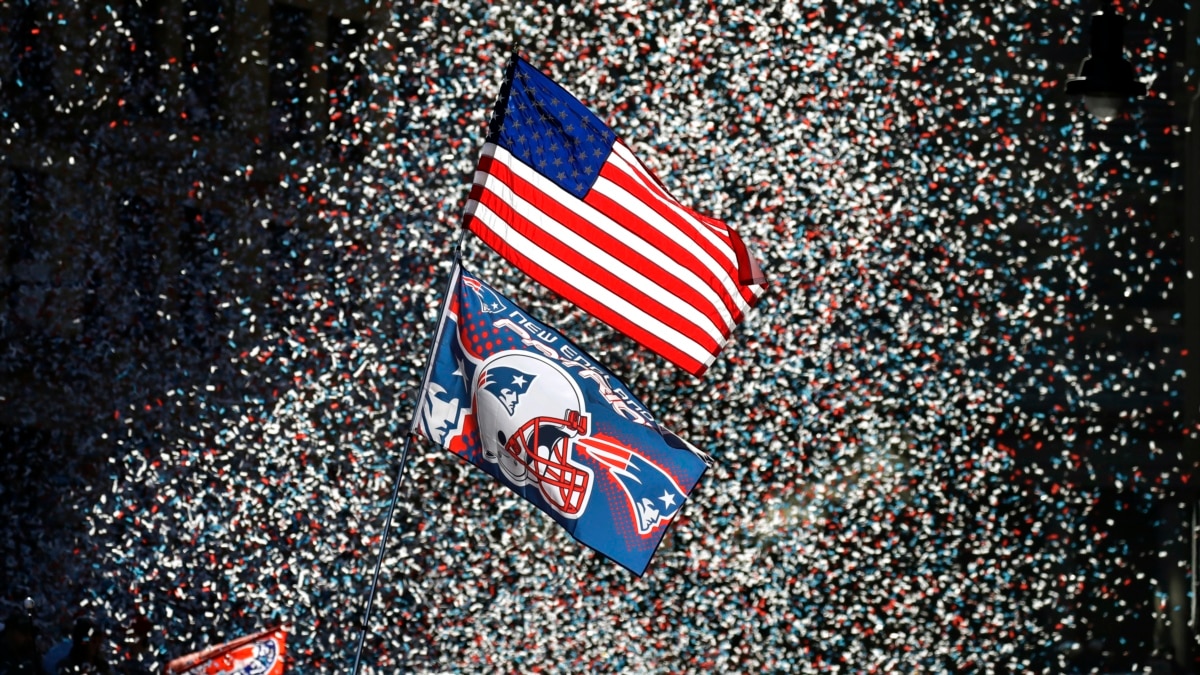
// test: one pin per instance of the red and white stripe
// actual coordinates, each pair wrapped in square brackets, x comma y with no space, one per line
[628,253]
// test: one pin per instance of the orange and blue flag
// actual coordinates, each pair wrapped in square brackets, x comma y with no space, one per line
[262,653]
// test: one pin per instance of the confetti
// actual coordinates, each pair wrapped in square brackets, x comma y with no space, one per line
[939,439]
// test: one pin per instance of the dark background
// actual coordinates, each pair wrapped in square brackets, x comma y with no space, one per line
[958,435]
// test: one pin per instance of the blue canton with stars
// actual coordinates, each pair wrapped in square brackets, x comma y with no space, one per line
[547,128]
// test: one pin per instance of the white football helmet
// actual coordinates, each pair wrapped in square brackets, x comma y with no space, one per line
[529,412]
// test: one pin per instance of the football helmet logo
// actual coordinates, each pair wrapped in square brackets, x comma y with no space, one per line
[530,413]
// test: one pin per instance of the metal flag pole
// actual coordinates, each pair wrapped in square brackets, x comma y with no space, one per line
[1192,572]
[408,438]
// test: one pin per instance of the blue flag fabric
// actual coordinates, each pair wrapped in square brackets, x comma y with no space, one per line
[521,402]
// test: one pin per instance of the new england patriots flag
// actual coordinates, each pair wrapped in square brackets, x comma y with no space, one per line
[558,195]
[517,399]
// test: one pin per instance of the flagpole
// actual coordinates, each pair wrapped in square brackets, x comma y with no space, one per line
[408,437]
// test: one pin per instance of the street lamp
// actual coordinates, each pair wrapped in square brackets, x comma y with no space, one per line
[1105,78]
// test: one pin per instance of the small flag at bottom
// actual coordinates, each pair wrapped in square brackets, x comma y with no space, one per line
[262,653]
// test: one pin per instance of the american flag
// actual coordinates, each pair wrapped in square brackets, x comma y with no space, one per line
[558,195]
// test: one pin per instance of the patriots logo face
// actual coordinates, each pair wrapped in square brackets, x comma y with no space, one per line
[654,496]
[258,658]
[440,414]
[507,385]
[489,301]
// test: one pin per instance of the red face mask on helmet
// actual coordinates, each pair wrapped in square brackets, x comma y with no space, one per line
[529,412]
